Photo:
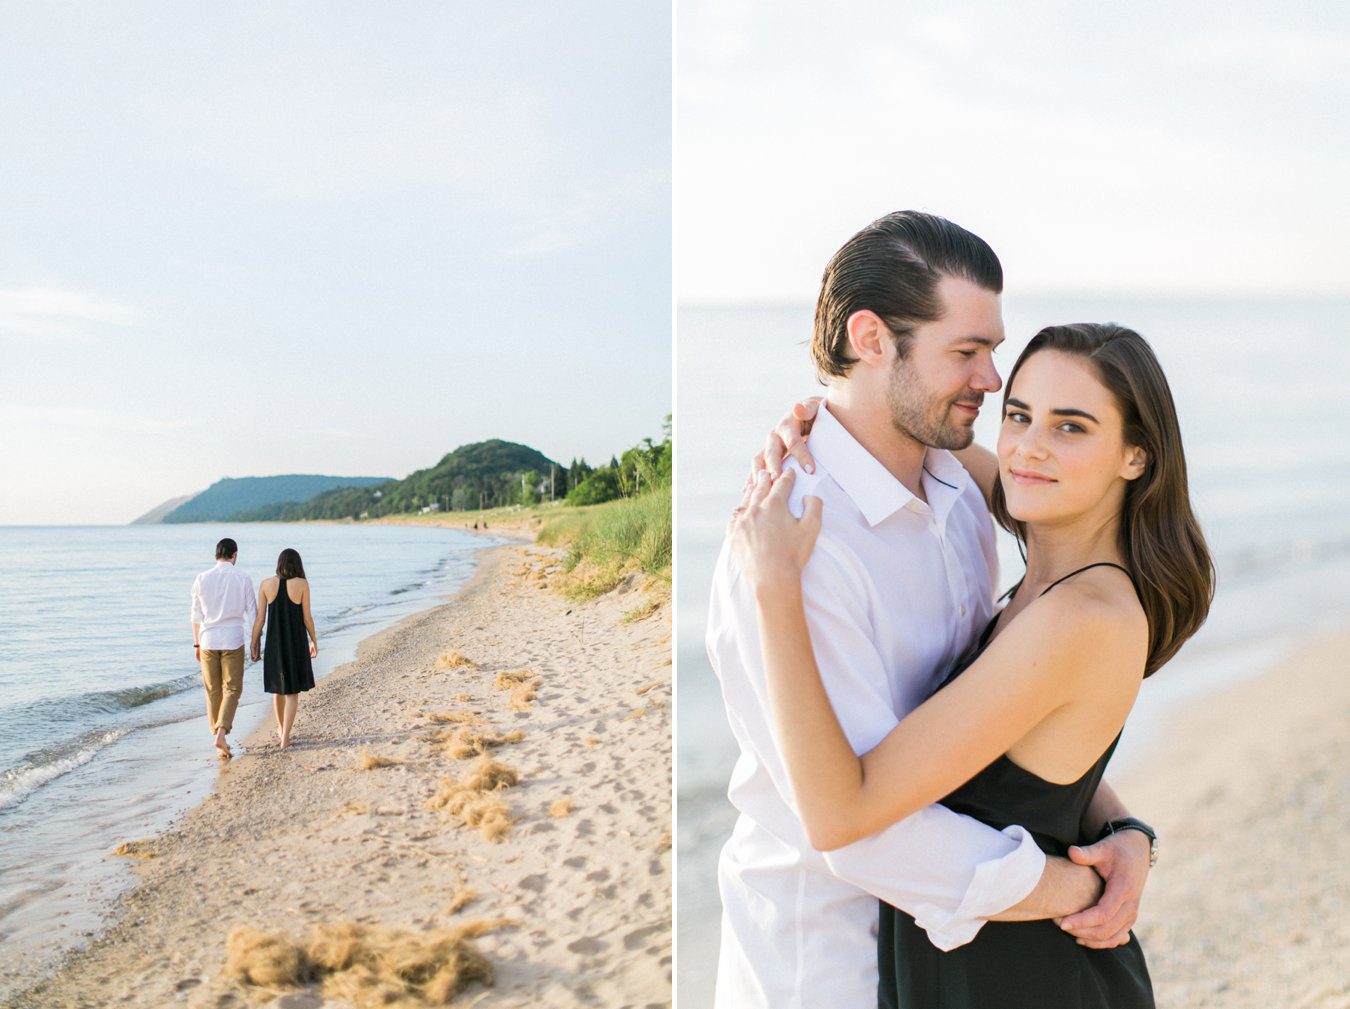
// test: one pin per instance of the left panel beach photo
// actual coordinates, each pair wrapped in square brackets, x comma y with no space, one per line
[336,520]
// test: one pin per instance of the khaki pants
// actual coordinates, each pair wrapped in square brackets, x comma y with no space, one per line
[223,678]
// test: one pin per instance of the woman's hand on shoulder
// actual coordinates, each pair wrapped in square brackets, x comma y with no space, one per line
[772,545]
[788,438]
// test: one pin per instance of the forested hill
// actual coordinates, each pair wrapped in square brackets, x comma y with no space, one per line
[485,474]
[226,498]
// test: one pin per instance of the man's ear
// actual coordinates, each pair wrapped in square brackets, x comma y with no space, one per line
[868,337]
[1136,462]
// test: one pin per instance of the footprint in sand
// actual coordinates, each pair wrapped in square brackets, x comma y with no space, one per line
[586,946]
[576,862]
[637,939]
[535,883]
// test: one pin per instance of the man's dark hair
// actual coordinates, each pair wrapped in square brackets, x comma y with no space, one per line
[892,267]
[226,549]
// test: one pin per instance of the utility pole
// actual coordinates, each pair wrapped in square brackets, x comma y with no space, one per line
[552,472]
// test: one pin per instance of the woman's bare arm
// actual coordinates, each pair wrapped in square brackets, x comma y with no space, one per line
[982,465]
[1035,666]
[255,645]
[309,622]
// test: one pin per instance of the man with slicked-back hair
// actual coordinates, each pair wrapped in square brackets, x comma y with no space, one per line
[222,603]
[901,579]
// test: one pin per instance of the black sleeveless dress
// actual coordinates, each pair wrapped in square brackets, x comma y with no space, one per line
[286,668]
[1013,965]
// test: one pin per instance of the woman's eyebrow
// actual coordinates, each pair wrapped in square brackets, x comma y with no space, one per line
[1063,411]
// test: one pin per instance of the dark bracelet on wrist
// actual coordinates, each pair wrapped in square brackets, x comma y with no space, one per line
[1132,823]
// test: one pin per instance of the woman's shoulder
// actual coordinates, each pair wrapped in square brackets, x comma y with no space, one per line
[1099,612]
[269,583]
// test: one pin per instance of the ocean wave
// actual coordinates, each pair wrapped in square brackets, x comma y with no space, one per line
[41,719]
[39,768]
[106,701]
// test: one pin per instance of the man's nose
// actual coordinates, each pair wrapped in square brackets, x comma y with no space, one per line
[986,377]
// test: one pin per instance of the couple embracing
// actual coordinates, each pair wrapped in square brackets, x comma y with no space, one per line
[924,818]
[222,603]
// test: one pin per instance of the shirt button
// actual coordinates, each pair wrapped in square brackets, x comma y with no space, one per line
[963,611]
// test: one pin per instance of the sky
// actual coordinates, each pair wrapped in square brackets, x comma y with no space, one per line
[342,238]
[1147,148]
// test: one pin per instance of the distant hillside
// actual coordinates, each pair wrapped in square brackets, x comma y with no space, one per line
[156,515]
[485,474]
[225,498]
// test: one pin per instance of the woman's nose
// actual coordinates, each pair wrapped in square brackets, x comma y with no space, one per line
[1031,445]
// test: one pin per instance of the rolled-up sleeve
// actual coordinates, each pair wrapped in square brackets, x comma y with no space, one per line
[949,871]
[250,602]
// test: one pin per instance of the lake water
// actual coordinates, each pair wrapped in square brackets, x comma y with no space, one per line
[103,735]
[1261,392]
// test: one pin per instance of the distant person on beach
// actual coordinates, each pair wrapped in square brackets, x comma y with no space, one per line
[829,631]
[284,602]
[222,600]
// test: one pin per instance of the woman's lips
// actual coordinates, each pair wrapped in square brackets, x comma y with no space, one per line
[1029,479]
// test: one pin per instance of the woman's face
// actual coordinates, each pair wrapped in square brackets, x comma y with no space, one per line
[1061,449]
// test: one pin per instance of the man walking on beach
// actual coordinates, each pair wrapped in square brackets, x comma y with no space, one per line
[222,600]
[901,579]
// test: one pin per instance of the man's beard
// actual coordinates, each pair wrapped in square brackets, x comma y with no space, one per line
[917,414]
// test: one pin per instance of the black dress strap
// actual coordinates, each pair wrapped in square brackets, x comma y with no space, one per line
[1089,567]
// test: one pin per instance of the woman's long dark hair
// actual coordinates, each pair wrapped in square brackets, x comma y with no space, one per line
[1159,535]
[289,564]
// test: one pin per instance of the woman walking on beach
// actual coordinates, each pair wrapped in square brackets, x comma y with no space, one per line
[1091,479]
[284,602]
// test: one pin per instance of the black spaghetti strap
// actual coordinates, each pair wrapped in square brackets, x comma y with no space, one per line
[1099,564]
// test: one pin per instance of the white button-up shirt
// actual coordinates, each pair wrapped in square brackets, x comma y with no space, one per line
[894,592]
[222,600]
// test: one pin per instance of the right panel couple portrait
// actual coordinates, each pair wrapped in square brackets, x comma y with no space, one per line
[1013,567]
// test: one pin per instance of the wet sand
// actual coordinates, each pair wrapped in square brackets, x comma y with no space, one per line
[291,839]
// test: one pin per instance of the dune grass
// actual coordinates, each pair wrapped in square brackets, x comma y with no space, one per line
[365,965]
[369,761]
[606,542]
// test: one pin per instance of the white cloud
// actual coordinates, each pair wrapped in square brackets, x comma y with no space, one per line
[92,419]
[64,314]
[588,213]
[1301,57]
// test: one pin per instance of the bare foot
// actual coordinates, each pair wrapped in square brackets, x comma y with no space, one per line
[222,745]
[285,741]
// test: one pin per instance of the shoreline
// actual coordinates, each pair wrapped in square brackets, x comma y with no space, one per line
[309,838]
[120,767]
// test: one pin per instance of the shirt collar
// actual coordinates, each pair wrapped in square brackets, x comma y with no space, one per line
[870,485]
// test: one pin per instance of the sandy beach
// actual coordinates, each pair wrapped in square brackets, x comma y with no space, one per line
[561,885]
[1249,788]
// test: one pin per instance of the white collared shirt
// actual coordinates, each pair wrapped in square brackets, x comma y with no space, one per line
[894,592]
[222,600]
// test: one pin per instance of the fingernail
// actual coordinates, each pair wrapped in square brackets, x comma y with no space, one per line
[810,467]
